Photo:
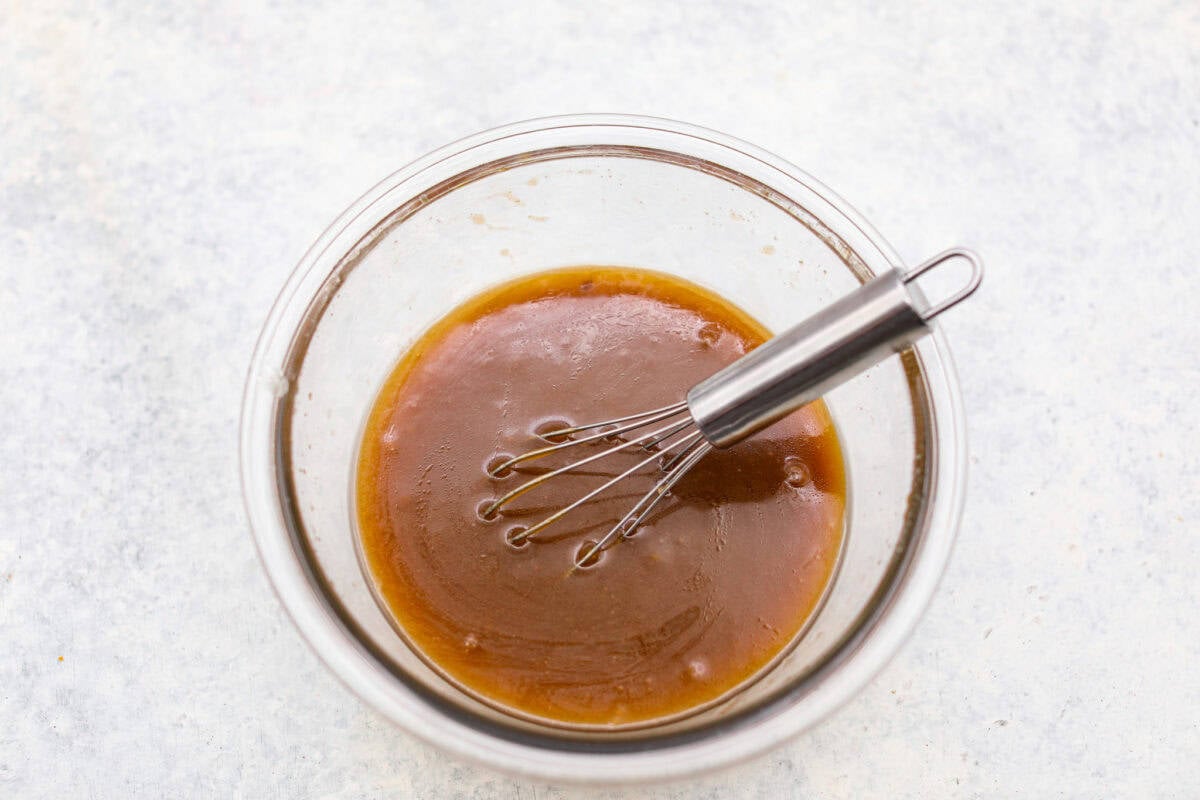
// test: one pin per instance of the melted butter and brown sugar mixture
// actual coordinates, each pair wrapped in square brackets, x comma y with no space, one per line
[717,581]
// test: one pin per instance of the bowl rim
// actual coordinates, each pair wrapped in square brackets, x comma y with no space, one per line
[895,615]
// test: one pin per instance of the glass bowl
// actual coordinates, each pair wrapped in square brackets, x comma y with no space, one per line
[615,190]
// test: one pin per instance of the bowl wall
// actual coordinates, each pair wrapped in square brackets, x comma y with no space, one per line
[589,190]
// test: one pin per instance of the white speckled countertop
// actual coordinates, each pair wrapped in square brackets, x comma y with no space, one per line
[162,169]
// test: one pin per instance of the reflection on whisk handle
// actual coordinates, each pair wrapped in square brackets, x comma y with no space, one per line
[881,317]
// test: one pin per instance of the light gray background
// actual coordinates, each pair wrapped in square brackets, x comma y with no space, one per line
[162,168]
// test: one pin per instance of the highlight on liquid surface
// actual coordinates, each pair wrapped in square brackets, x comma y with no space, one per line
[717,581]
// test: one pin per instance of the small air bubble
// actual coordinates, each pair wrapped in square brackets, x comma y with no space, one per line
[470,643]
[697,669]
[583,550]
[796,472]
[391,437]
[709,334]
[510,537]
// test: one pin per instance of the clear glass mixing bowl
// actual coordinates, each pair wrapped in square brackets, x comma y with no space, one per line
[590,190]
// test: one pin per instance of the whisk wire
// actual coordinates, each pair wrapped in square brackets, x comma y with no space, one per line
[692,453]
[657,413]
[533,483]
[648,418]
[525,534]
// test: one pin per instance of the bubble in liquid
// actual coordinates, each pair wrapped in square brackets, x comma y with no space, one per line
[470,642]
[795,472]
[697,669]
[709,334]
[390,438]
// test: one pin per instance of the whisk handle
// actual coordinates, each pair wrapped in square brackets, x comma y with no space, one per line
[877,319]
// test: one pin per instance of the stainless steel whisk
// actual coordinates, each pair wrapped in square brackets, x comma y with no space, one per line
[877,319]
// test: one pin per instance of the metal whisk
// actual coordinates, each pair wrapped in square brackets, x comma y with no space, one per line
[879,318]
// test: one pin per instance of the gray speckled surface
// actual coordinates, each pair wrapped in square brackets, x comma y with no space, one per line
[163,168]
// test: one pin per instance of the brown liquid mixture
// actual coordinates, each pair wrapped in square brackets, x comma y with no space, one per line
[716,582]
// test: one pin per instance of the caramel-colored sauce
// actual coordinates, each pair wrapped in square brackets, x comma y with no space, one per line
[717,582]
